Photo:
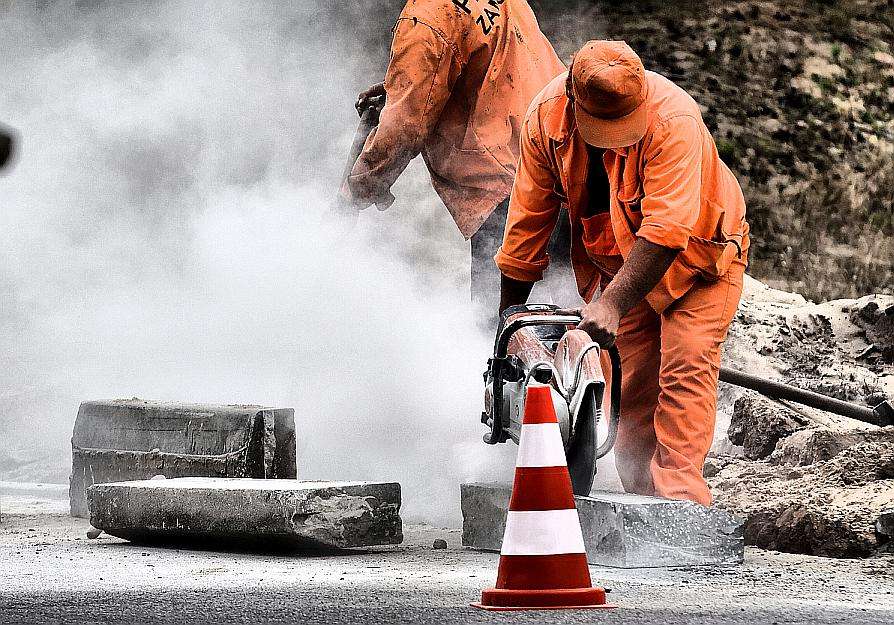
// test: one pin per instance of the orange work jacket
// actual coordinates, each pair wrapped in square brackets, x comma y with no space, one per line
[461,77]
[670,188]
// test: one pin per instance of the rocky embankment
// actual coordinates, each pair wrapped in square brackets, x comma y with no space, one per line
[808,481]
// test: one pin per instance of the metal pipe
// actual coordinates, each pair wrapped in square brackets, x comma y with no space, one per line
[369,119]
[881,415]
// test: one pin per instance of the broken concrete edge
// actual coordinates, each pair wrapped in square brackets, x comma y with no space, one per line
[203,429]
[206,511]
[620,530]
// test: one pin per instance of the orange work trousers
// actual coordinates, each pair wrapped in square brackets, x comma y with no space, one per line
[670,367]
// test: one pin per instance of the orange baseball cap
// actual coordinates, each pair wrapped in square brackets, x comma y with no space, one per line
[608,84]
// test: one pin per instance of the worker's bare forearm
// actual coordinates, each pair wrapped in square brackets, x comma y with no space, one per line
[643,269]
[513,292]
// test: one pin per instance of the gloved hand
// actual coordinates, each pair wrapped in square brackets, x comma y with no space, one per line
[365,99]
[347,197]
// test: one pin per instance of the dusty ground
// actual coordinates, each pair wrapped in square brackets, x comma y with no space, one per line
[49,572]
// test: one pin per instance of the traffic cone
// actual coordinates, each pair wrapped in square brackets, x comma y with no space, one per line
[543,562]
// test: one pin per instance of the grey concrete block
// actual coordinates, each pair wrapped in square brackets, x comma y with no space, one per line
[620,530]
[133,439]
[232,511]
[484,508]
[884,525]
[627,530]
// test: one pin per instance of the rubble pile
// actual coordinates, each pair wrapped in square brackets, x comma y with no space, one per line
[807,481]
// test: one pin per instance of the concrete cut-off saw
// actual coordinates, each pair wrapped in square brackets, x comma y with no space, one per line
[536,345]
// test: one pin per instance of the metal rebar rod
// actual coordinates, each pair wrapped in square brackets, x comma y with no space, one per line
[778,390]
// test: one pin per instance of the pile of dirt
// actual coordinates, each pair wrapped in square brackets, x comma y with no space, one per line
[807,481]
[833,508]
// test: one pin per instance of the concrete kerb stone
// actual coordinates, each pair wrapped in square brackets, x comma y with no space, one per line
[133,439]
[620,530]
[231,512]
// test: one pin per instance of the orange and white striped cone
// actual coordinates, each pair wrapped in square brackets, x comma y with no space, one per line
[543,562]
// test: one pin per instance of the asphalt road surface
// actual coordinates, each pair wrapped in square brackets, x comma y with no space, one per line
[50,572]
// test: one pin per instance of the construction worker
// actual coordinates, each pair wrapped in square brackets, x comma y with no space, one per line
[658,222]
[461,77]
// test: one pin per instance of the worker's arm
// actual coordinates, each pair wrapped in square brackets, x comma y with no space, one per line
[418,83]
[533,212]
[670,207]
[643,269]
[513,292]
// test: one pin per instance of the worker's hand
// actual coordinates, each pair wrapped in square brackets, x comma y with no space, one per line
[599,319]
[347,197]
[364,100]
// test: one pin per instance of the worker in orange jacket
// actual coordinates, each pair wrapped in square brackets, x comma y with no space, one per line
[658,222]
[461,76]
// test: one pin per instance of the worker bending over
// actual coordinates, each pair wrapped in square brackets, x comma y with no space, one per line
[461,76]
[658,221]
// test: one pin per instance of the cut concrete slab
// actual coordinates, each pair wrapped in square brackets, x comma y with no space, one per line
[619,529]
[133,439]
[231,511]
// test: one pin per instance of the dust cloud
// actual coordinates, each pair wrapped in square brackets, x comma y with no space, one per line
[163,238]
